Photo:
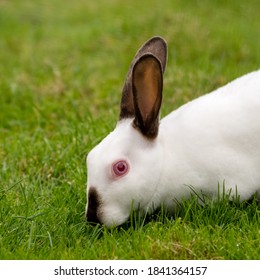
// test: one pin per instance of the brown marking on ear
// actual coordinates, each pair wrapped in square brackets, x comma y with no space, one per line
[127,104]
[147,90]
[93,206]
[156,46]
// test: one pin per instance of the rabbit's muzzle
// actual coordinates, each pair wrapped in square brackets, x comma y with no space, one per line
[93,206]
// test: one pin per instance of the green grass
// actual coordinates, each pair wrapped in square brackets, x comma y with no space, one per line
[62,67]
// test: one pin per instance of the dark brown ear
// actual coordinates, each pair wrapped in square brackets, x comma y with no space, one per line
[156,46]
[147,84]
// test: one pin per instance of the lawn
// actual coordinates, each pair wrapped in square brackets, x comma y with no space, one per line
[62,68]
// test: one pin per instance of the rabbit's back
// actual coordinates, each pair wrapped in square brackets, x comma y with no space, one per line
[240,94]
[231,109]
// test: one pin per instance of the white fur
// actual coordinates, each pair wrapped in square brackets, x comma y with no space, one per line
[212,140]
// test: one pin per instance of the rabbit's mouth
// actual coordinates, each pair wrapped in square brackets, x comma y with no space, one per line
[95,214]
[93,206]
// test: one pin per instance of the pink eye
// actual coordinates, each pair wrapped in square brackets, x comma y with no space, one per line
[120,168]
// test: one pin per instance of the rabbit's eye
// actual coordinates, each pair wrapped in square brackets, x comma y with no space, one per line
[120,168]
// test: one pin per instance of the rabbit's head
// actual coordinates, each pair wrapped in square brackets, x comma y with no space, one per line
[124,169]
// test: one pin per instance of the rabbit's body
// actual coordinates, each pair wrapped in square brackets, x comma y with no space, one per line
[205,144]
[213,140]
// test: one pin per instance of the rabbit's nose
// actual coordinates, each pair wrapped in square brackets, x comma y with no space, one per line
[92,207]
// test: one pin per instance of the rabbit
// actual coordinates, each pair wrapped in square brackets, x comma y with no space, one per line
[147,162]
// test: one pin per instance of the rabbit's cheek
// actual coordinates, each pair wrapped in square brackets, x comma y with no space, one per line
[93,206]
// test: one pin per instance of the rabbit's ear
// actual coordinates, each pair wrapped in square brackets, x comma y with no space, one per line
[147,83]
[158,48]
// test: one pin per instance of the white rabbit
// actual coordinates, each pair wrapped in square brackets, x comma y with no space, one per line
[145,163]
